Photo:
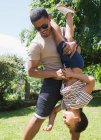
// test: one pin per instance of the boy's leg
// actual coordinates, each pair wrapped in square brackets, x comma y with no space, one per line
[56,32]
[52,117]
[69,33]
[64,9]
[67,11]
[56,26]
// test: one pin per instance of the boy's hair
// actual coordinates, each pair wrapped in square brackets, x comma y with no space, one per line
[37,13]
[81,126]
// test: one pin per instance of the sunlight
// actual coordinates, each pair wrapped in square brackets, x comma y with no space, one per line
[12,46]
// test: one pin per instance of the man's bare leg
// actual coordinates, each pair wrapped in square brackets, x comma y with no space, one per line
[32,128]
[52,117]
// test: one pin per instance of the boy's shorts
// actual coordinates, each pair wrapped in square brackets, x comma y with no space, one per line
[76,61]
[49,96]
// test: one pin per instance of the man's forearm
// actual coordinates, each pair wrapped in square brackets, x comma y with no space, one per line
[37,73]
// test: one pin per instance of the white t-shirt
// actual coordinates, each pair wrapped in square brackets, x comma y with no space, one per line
[44,49]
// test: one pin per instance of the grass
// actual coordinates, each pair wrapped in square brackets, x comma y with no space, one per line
[97,85]
[12,124]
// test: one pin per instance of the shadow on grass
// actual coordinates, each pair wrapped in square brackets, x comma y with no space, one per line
[19,112]
[95,102]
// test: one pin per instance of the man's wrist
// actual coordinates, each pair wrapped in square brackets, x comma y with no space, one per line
[53,74]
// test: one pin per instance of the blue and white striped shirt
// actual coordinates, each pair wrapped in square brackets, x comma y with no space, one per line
[74,96]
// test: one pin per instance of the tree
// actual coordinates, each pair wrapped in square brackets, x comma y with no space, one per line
[88,29]
[7,74]
[12,75]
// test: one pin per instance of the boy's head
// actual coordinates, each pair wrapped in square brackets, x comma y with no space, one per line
[76,120]
[82,124]
[41,21]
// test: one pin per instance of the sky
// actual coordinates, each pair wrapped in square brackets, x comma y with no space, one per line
[14,17]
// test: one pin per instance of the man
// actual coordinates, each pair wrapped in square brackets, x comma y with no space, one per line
[43,50]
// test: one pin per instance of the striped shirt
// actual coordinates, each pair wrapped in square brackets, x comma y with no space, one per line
[74,96]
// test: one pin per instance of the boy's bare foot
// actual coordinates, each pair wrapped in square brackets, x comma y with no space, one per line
[50,122]
[52,118]
[64,9]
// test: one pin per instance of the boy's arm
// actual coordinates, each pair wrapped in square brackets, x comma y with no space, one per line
[89,80]
[82,77]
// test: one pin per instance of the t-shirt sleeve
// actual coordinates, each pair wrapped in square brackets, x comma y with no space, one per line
[34,51]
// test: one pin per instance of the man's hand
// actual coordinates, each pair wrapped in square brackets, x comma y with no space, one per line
[70,48]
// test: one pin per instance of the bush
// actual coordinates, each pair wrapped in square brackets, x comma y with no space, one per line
[94,70]
[17,104]
[98,75]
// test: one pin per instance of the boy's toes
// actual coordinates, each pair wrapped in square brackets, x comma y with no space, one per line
[48,127]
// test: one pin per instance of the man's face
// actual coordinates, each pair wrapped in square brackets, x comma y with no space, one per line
[70,119]
[43,26]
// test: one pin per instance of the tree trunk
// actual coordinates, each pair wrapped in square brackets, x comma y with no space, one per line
[1,98]
[27,90]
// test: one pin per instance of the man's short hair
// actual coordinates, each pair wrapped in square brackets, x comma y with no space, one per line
[37,13]
[81,126]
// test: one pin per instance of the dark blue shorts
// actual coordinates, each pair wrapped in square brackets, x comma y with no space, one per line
[48,97]
[76,61]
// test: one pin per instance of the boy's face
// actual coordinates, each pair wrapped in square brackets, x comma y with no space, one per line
[43,26]
[70,119]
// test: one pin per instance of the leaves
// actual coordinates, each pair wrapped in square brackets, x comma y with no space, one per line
[11,71]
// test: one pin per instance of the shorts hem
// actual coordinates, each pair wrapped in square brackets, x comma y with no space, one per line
[39,117]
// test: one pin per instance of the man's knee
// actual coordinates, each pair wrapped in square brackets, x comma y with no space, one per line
[38,120]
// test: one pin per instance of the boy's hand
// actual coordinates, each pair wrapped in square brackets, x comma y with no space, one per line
[67,72]
[59,75]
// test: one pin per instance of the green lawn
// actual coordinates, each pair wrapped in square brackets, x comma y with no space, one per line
[12,124]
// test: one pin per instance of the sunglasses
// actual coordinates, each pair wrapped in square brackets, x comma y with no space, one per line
[43,26]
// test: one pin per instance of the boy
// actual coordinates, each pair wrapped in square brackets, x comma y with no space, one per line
[75,95]
[73,101]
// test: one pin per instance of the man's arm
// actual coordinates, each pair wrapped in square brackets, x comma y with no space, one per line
[33,71]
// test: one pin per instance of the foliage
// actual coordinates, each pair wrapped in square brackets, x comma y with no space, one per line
[11,75]
[7,73]
[98,75]
[88,30]
[94,70]
[27,35]
[35,85]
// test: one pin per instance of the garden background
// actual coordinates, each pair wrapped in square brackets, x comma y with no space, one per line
[19,92]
